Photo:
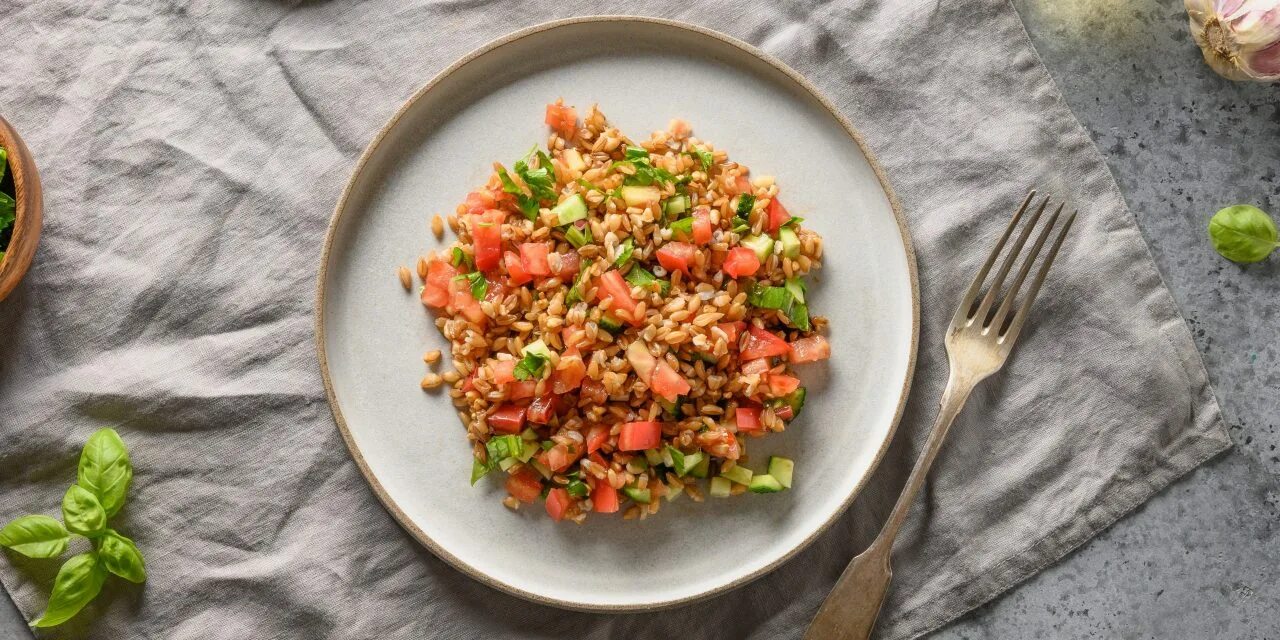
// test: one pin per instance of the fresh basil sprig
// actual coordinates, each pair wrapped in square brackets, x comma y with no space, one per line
[103,478]
[8,207]
[479,286]
[1243,233]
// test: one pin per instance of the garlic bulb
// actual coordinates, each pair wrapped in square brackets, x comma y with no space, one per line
[1240,38]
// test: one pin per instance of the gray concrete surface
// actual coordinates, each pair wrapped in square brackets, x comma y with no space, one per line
[1201,560]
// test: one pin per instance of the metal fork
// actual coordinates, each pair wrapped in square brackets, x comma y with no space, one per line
[978,342]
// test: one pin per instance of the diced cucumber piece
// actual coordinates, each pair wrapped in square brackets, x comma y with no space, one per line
[700,470]
[671,409]
[507,463]
[796,401]
[790,242]
[640,277]
[795,286]
[738,474]
[720,487]
[573,209]
[764,297]
[478,470]
[666,458]
[762,245]
[541,469]
[682,228]
[640,196]
[610,324]
[781,469]
[530,448]
[676,205]
[578,237]
[528,434]
[683,462]
[639,495]
[537,347]
[637,464]
[764,483]
[653,457]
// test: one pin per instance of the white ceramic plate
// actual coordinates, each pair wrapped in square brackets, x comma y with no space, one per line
[489,106]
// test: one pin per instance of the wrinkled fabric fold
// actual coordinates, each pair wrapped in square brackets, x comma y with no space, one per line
[192,154]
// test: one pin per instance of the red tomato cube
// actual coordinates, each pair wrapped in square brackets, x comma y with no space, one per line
[508,418]
[525,485]
[503,371]
[702,225]
[740,262]
[638,436]
[676,256]
[597,436]
[668,383]
[604,498]
[810,349]
[534,257]
[748,419]
[436,291]
[516,274]
[613,287]
[762,344]
[777,215]
[563,120]
[486,236]
[781,385]
[542,409]
[558,502]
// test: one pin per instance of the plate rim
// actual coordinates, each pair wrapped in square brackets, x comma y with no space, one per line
[390,504]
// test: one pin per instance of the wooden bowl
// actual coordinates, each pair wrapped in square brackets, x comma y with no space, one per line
[30,211]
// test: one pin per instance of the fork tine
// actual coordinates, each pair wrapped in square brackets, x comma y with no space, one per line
[990,299]
[967,303]
[1021,316]
[1027,263]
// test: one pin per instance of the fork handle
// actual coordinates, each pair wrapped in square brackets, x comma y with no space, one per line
[851,609]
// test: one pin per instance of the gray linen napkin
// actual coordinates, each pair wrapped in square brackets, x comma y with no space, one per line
[192,154]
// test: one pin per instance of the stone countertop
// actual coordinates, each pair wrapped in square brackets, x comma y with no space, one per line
[1201,559]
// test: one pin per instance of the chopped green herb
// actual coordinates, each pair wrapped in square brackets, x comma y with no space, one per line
[578,236]
[745,202]
[783,299]
[625,250]
[547,445]
[459,258]
[794,221]
[530,367]
[578,489]
[636,153]
[799,315]
[575,292]
[479,286]
[684,227]
[705,157]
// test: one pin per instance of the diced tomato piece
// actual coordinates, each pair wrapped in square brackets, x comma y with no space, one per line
[604,498]
[733,330]
[557,503]
[748,418]
[668,383]
[508,418]
[762,344]
[525,485]
[743,184]
[780,385]
[810,349]
[436,291]
[597,436]
[569,375]
[740,262]
[470,383]
[638,436]
[676,256]
[542,409]
[777,215]
[503,371]
[570,263]
[562,119]
[598,459]
[486,236]
[516,275]
[593,391]
[785,412]
[496,290]
[559,457]
[462,302]
[612,286]
[759,365]
[480,201]
[534,256]
[522,389]
[702,225]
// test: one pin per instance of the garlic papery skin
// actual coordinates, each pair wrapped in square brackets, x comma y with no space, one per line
[1240,38]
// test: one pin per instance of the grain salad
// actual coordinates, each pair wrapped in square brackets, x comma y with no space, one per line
[623,318]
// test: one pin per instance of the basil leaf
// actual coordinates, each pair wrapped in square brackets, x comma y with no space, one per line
[1243,233]
[545,163]
[459,258]
[478,470]
[35,536]
[4,163]
[530,367]
[105,469]
[705,157]
[82,512]
[121,556]
[79,581]
[8,211]
[628,248]
[528,204]
[640,277]
[799,315]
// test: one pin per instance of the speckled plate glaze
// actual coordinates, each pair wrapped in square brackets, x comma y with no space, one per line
[489,106]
